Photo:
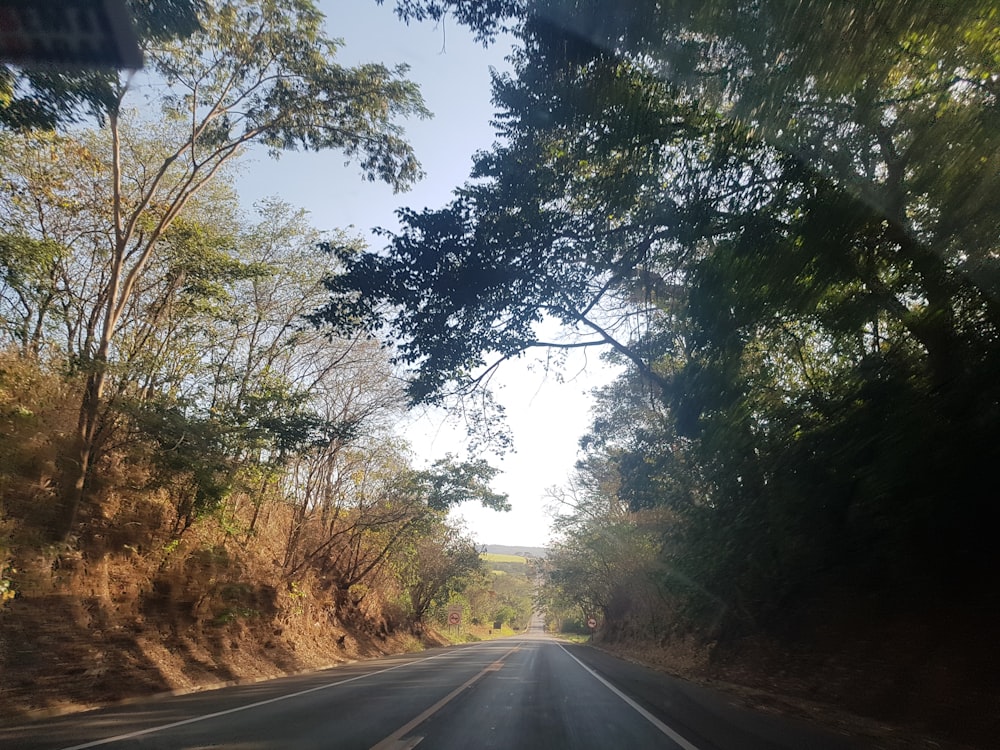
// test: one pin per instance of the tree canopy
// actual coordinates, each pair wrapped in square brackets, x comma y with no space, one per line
[230,74]
[793,251]
[619,154]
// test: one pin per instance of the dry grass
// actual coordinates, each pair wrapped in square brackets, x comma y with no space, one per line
[127,607]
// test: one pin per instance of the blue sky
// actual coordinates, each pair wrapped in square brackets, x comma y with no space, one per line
[453,73]
[546,417]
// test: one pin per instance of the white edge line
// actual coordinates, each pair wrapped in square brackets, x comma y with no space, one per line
[642,712]
[205,717]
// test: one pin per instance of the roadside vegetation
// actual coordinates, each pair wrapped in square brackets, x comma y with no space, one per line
[779,220]
[775,218]
[494,600]
[197,483]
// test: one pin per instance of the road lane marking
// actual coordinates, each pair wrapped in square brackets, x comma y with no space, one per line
[258,704]
[394,740]
[641,711]
[407,744]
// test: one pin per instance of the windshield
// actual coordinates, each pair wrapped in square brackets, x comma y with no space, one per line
[345,328]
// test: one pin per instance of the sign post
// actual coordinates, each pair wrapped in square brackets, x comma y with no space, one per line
[455,617]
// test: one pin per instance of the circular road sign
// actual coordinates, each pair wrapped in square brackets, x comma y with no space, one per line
[591,623]
[454,618]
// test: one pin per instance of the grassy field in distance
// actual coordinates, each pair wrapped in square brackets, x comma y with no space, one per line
[495,557]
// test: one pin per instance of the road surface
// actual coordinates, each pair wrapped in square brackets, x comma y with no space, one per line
[523,692]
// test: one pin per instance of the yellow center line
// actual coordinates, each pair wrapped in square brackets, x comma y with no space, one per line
[393,741]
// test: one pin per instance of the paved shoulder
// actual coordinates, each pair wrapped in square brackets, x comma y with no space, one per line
[708,719]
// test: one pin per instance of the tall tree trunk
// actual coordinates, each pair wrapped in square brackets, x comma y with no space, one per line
[85,444]
[93,393]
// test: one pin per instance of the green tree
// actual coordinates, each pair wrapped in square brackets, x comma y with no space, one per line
[776,240]
[254,72]
[441,562]
[450,482]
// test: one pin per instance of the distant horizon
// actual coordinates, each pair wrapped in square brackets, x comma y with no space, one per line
[509,548]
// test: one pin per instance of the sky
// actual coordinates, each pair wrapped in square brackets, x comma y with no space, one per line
[545,416]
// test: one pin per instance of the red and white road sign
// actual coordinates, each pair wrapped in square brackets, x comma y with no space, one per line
[592,623]
[454,617]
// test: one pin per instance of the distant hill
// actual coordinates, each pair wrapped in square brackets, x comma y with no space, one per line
[506,549]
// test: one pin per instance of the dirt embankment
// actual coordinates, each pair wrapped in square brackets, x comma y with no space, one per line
[91,628]
[61,653]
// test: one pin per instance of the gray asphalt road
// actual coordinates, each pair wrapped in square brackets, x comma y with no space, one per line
[523,692]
